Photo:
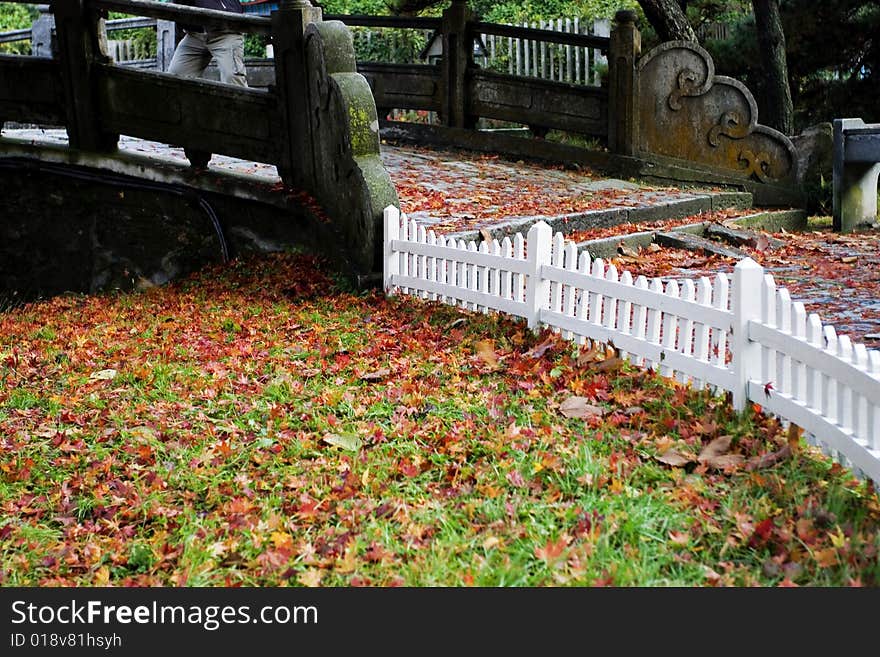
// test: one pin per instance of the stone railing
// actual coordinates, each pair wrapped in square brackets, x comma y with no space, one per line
[317,124]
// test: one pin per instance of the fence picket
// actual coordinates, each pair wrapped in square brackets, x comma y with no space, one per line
[404,257]
[569,56]
[484,275]
[535,70]
[783,323]
[768,318]
[495,273]
[519,252]
[624,316]
[701,331]
[859,401]
[844,392]
[473,283]
[873,430]
[462,281]
[720,300]
[583,267]
[432,264]
[669,326]
[542,25]
[829,385]
[653,328]
[557,258]
[686,325]
[506,276]
[537,292]
[814,383]
[640,319]
[594,310]
[610,319]
[422,260]
[799,370]
[569,291]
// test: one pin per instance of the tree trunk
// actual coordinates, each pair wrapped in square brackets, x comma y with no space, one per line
[668,20]
[778,111]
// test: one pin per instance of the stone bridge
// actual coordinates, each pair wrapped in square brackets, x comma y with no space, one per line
[312,114]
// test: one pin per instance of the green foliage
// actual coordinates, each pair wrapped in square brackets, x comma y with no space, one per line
[833,58]
[255,45]
[389,45]
[16,17]
[534,10]
[361,7]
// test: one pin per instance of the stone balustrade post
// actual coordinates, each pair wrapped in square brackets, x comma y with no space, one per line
[166,42]
[289,22]
[623,56]
[80,31]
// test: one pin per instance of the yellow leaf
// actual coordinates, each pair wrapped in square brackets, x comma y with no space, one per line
[281,539]
[102,576]
[348,562]
[490,542]
[794,436]
[311,577]
[486,351]
[838,539]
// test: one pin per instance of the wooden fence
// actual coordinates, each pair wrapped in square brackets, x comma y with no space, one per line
[740,334]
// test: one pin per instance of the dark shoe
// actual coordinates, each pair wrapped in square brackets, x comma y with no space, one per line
[197,159]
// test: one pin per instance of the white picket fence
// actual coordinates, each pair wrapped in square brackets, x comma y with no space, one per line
[737,333]
[550,61]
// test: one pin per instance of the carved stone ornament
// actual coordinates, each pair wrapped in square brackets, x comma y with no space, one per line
[687,112]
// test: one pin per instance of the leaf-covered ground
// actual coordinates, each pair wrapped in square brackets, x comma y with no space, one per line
[835,275]
[257,425]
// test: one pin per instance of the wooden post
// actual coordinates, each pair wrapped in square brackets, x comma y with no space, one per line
[289,23]
[79,30]
[458,57]
[746,306]
[624,51]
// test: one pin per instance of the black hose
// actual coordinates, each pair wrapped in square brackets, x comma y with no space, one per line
[80,173]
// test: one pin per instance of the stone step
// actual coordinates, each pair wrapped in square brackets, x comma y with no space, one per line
[740,236]
[697,243]
[657,208]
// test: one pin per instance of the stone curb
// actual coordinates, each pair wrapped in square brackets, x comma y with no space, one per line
[567,223]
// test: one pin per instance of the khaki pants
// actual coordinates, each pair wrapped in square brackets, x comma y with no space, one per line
[195,51]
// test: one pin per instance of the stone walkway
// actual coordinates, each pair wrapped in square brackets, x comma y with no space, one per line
[461,193]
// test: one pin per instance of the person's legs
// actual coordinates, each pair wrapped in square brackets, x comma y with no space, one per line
[228,52]
[191,57]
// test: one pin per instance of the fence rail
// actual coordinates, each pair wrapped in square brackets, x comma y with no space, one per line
[737,333]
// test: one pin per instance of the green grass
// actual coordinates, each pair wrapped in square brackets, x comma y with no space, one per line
[257,437]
